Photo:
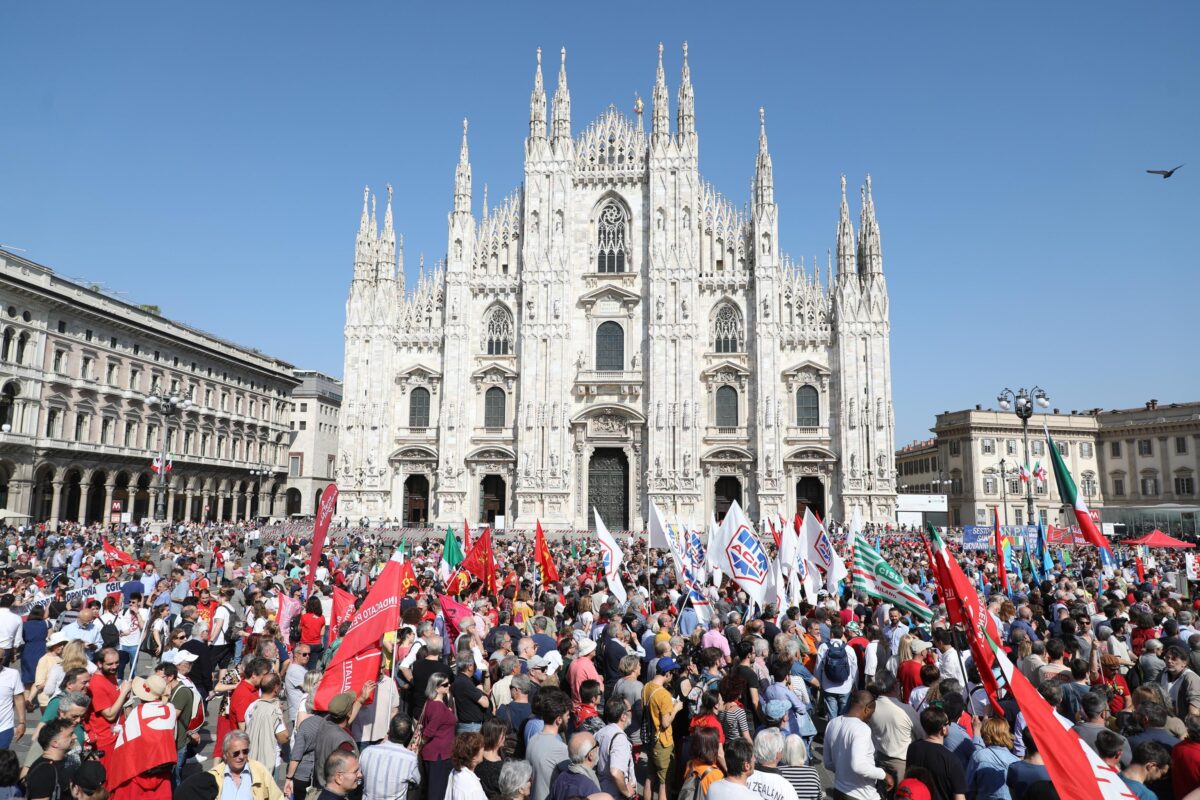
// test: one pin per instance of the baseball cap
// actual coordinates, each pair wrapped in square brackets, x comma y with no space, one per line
[89,776]
[667,664]
[912,789]
[777,709]
[341,704]
[537,662]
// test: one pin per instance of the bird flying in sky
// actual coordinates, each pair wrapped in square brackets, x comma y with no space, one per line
[1166,173]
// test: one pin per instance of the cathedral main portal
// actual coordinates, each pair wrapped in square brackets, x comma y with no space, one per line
[608,488]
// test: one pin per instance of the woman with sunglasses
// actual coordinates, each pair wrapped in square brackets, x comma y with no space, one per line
[438,724]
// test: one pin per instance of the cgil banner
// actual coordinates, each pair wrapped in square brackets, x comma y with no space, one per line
[983,537]
[96,592]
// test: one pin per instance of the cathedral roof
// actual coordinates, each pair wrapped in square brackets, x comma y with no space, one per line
[611,143]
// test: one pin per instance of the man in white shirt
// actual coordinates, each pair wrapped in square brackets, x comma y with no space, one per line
[86,628]
[389,769]
[615,767]
[131,626]
[10,629]
[894,725]
[12,707]
[950,662]
[739,766]
[766,781]
[836,692]
[849,752]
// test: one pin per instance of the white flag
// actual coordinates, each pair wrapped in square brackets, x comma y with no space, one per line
[712,550]
[822,553]
[742,556]
[794,555]
[611,558]
[660,537]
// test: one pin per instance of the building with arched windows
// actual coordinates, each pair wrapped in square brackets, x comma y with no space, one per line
[613,332]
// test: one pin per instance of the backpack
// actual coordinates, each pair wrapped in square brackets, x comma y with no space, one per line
[837,664]
[692,786]
[109,635]
[230,626]
[703,684]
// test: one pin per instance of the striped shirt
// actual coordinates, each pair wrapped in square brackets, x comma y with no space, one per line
[387,770]
[805,780]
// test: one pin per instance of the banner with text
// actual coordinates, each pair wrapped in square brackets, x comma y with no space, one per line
[983,537]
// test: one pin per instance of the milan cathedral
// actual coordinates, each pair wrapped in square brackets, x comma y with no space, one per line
[616,332]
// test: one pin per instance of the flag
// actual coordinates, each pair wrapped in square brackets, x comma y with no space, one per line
[1075,769]
[408,577]
[379,614]
[343,607]
[452,554]
[689,581]
[715,547]
[742,557]
[821,551]
[976,620]
[466,546]
[775,534]
[115,558]
[1070,496]
[1109,563]
[1064,557]
[659,535]
[1001,554]
[1141,568]
[145,740]
[325,511]
[543,558]
[348,675]
[454,613]
[289,609]
[1024,473]
[610,558]
[481,562]
[877,578]
[1042,552]
[795,562]
[156,465]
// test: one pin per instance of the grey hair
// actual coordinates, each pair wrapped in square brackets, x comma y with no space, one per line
[424,628]
[580,746]
[884,681]
[508,664]
[464,660]
[77,699]
[234,736]
[514,776]
[435,682]
[768,746]
[791,649]
[522,683]
[795,754]
[761,648]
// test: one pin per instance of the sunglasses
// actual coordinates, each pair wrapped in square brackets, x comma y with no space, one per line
[238,753]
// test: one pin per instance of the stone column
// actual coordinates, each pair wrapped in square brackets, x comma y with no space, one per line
[170,503]
[220,506]
[56,501]
[84,486]
[152,510]
[204,501]
[189,504]
[109,487]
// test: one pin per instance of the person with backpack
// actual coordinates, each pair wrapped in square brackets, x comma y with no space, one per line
[837,671]
[615,767]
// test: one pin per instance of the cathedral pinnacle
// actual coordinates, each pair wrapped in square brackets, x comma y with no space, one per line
[845,238]
[385,261]
[661,123]
[561,127]
[462,177]
[537,103]
[764,177]
[686,119]
[362,223]
[870,253]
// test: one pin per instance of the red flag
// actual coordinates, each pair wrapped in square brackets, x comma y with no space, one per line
[379,614]
[1075,769]
[454,613]
[115,558]
[320,528]
[1001,569]
[458,582]
[289,609]
[408,577]
[347,676]
[543,558]
[145,739]
[466,537]
[775,534]
[1141,569]
[343,607]
[481,562]
[976,621]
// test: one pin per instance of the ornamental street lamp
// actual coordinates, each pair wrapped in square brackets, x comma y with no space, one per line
[167,407]
[1003,485]
[259,473]
[1022,402]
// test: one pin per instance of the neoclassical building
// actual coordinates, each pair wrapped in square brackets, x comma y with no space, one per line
[615,332]
[77,436]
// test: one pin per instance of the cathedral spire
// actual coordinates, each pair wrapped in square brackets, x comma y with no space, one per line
[845,238]
[764,174]
[870,255]
[363,241]
[537,103]
[561,128]
[374,224]
[462,178]
[661,125]
[485,204]
[686,121]
[385,264]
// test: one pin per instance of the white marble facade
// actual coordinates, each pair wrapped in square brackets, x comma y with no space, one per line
[616,331]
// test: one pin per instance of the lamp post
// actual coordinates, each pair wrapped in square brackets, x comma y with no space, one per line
[1022,401]
[1003,486]
[167,406]
[259,473]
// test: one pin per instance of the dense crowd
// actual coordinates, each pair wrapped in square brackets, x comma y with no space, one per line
[557,691]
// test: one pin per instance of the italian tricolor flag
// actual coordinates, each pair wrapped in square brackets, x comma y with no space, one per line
[1070,495]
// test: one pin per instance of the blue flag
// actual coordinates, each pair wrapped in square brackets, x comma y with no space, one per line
[1043,552]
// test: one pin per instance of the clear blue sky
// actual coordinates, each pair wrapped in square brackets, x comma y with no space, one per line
[210,158]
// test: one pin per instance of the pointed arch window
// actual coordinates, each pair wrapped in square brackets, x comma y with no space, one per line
[493,408]
[727,407]
[610,347]
[498,332]
[612,248]
[727,329]
[808,410]
[418,408]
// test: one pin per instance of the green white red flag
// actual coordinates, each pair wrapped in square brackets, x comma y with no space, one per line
[1075,769]
[1070,495]
[877,578]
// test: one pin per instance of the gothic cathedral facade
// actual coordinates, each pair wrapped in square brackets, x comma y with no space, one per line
[616,333]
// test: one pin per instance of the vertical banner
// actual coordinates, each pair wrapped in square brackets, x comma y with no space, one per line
[320,529]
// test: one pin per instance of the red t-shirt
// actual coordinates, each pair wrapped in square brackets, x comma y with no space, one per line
[243,695]
[311,626]
[709,721]
[205,611]
[104,693]
[910,677]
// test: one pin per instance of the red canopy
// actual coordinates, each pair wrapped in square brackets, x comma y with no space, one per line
[1157,538]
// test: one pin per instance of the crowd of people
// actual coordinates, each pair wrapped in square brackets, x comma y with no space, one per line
[143,668]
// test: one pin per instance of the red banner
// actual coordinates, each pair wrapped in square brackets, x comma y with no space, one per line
[145,739]
[379,614]
[408,577]
[343,607]
[320,528]
[481,562]
[454,613]
[115,558]
[543,558]
[347,676]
